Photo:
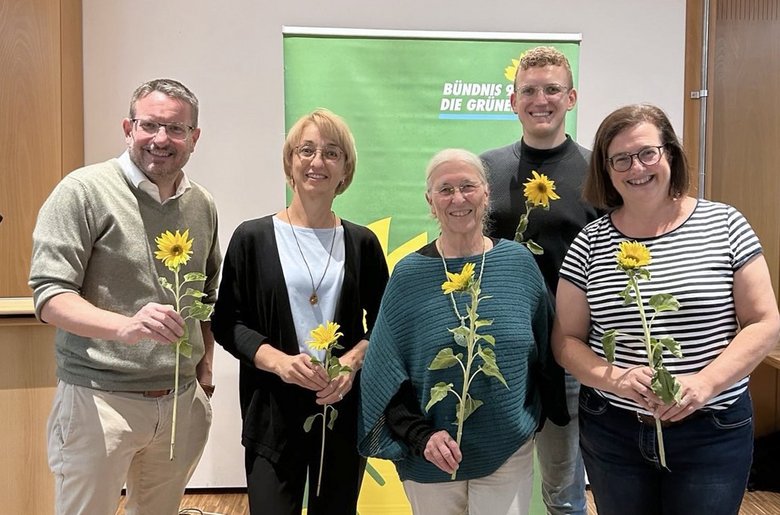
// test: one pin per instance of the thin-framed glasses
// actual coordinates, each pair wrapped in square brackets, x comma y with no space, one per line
[175,130]
[330,153]
[466,189]
[550,91]
[648,156]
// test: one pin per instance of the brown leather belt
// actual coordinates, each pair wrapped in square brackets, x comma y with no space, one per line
[153,394]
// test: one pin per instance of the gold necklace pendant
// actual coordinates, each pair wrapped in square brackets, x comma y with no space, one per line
[314,299]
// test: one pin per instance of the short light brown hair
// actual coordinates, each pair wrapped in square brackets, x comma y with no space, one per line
[598,189]
[541,56]
[332,127]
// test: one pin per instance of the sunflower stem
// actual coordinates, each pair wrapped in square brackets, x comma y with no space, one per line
[176,370]
[322,448]
[649,350]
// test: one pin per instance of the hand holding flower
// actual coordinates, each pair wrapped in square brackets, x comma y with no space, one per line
[175,250]
[443,451]
[158,322]
[325,337]
[632,259]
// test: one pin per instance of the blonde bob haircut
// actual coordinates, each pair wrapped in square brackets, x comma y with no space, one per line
[332,127]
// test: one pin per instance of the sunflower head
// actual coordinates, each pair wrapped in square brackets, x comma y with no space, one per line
[631,255]
[324,336]
[458,281]
[511,70]
[540,190]
[173,250]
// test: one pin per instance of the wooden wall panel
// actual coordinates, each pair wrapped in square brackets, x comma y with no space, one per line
[745,117]
[40,52]
[27,385]
[743,130]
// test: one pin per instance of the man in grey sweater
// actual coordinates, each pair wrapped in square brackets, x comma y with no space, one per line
[95,277]
[544,93]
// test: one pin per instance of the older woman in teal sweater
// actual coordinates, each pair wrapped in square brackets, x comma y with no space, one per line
[493,465]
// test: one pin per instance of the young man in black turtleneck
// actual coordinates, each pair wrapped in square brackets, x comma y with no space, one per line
[543,94]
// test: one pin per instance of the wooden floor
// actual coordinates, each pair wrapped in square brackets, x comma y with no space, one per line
[231,502]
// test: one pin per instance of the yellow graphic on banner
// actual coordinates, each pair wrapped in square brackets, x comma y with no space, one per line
[382,230]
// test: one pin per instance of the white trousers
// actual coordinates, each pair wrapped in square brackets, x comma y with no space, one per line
[100,441]
[505,491]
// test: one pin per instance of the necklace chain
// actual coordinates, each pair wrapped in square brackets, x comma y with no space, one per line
[313,298]
[444,262]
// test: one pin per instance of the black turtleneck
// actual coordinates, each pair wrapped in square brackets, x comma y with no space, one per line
[509,168]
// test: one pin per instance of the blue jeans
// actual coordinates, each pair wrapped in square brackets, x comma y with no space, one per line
[560,460]
[708,457]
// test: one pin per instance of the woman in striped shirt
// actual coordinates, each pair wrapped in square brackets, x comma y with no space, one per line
[706,255]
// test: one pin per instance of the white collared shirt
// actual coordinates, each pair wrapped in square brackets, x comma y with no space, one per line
[142,182]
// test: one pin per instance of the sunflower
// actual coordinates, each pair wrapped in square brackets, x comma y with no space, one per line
[323,336]
[458,281]
[511,70]
[173,250]
[540,190]
[632,254]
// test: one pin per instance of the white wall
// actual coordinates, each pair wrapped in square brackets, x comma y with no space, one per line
[230,54]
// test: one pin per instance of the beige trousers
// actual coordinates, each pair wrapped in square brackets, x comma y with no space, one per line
[505,491]
[100,441]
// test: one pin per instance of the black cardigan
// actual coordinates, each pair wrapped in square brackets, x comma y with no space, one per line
[253,308]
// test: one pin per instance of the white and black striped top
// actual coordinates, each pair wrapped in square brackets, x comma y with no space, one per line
[695,262]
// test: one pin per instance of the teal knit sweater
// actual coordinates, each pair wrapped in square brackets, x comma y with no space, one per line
[412,328]
[95,237]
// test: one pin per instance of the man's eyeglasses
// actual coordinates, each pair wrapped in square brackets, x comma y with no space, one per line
[646,155]
[175,130]
[466,189]
[550,91]
[331,153]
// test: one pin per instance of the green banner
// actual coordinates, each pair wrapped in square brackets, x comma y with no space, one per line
[405,98]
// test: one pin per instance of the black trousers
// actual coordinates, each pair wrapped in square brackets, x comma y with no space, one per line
[277,488]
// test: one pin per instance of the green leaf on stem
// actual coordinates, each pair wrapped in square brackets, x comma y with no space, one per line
[490,368]
[185,348]
[194,276]
[482,322]
[445,359]
[471,406]
[522,225]
[673,346]
[608,342]
[166,284]
[643,273]
[488,338]
[310,422]
[461,335]
[200,311]
[334,413]
[664,302]
[534,247]
[666,386]
[192,292]
[438,392]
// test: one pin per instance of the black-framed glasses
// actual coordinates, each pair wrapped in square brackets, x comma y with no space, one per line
[466,189]
[175,130]
[646,155]
[331,153]
[550,91]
